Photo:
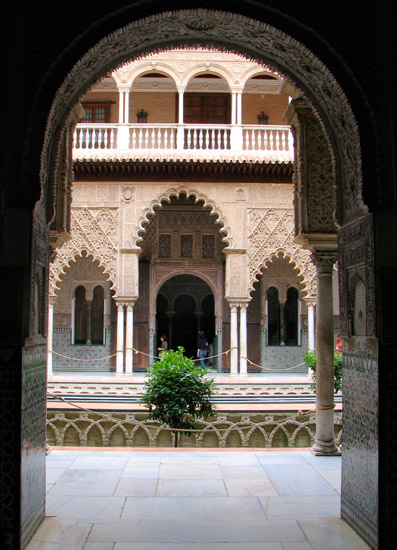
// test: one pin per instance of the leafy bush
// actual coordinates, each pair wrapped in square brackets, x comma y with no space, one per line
[177,394]
[310,360]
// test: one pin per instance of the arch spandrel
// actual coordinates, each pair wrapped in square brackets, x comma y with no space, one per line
[94,232]
[260,42]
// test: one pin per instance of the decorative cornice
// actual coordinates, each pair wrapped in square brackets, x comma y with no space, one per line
[182,170]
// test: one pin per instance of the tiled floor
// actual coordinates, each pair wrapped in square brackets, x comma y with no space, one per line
[193,500]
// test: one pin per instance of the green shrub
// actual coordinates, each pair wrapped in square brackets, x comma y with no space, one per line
[177,393]
[309,357]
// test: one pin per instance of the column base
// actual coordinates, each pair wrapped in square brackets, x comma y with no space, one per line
[325,448]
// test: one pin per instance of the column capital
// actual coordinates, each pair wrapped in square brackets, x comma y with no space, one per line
[324,260]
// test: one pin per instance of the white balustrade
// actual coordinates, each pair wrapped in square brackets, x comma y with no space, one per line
[264,139]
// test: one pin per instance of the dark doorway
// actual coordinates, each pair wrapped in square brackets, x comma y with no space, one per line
[185,305]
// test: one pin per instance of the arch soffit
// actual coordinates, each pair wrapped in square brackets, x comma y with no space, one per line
[176,192]
[160,67]
[168,276]
[238,34]
[213,68]
[304,285]
[57,271]
[251,72]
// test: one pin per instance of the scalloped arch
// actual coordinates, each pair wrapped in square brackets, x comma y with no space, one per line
[55,275]
[283,254]
[176,192]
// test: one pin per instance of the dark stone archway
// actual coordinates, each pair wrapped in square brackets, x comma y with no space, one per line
[347,38]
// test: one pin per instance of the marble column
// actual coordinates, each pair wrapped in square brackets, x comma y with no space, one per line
[180,136]
[129,339]
[233,340]
[120,339]
[282,323]
[89,323]
[50,336]
[325,436]
[310,325]
[243,339]
[263,319]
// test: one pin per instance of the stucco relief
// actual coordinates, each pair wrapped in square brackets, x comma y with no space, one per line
[270,235]
[94,230]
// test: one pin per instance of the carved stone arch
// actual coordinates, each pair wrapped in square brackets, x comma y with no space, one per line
[251,72]
[140,228]
[237,34]
[215,69]
[59,267]
[307,284]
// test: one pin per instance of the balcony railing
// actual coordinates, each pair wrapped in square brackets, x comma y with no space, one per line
[263,142]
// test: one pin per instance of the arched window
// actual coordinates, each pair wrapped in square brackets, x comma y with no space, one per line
[80,316]
[273,317]
[291,317]
[97,316]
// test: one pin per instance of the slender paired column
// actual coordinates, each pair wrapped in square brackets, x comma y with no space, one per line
[50,336]
[243,339]
[310,325]
[120,339]
[123,129]
[239,108]
[282,323]
[89,323]
[180,136]
[233,340]
[129,339]
[325,436]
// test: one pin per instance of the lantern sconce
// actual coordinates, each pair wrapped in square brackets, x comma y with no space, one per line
[141,116]
[262,118]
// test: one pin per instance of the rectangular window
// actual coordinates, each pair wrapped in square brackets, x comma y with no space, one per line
[96,111]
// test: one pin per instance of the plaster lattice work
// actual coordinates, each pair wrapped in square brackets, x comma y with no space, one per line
[94,230]
[270,235]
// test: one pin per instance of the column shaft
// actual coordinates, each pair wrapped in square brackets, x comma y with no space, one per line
[243,339]
[233,340]
[325,436]
[129,335]
[310,326]
[120,339]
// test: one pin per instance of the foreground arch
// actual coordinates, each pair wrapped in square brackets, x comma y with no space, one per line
[263,43]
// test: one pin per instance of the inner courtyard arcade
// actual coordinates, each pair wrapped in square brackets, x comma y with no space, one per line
[171,250]
[335,206]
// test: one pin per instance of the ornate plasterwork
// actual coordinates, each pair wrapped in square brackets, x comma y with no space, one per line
[148,212]
[93,230]
[233,33]
[270,235]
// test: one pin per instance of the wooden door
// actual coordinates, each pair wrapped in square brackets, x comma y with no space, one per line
[206,108]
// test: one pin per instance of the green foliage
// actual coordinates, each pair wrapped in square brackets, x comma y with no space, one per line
[309,357]
[177,394]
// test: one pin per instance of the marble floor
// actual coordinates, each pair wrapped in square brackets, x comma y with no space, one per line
[193,500]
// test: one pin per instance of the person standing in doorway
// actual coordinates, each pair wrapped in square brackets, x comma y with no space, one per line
[163,344]
[202,348]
